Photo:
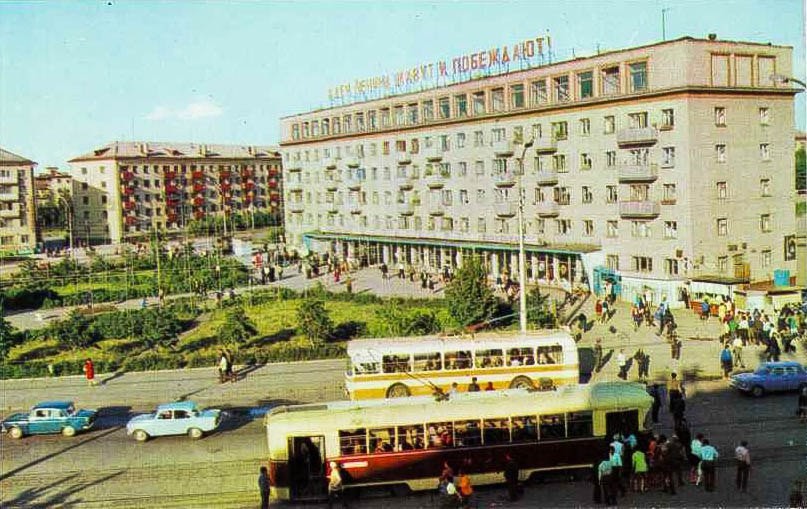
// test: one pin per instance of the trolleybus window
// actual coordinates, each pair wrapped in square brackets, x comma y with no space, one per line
[353,441]
[520,357]
[489,358]
[427,362]
[525,429]
[550,354]
[382,439]
[467,434]
[497,431]
[410,437]
[458,360]
[552,426]
[579,424]
[366,368]
[396,363]
[441,434]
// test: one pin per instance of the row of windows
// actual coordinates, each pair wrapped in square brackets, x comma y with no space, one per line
[765,224]
[13,240]
[467,433]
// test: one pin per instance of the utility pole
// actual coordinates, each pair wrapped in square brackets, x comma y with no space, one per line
[522,261]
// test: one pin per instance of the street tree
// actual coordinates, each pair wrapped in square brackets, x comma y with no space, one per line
[313,320]
[160,327]
[469,297]
[8,337]
[74,331]
[539,309]
[237,327]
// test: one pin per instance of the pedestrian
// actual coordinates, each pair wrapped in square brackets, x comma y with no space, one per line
[639,464]
[89,372]
[464,487]
[675,348]
[511,477]
[454,390]
[605,475]
[606,310]
[726,361]
[263,487]
[336,486]
[473,386]
[622,363]
[598,309]
[229,375]
[705,310]
[643,361]
[695,448]
[598,355]
[674,387]
[655,393]
[709,456]
[678,457]
[802,411]
[666,463]
[616,463]
[743,459]
[737,351]
[224,367]
[677,409]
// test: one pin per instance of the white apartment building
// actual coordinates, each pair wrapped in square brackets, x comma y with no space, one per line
[124,190]
[648,167]
[17,213]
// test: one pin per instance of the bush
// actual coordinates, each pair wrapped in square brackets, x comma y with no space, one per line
[17,298]
[314,321]
[349,330]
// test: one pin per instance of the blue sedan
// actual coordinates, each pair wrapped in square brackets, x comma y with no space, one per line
[771,377]
[49,417]
[180,418]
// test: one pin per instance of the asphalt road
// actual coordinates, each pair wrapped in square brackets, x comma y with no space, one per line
[106,468]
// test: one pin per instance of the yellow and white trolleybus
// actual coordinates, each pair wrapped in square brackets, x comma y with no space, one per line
[400,367]
[404,442]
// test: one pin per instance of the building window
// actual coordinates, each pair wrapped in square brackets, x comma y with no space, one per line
[668,157]
[496,99]
[670,229]
[481,225]
[516,96]
[585,126]
[610,80]
[337,126]
[609,124]
[295,132]
[612,262]
[638,120]
[586,194]
[640,229]
[611,229]
[610,158]
[412,114]
[479,138]
[444,107]
[765,187]
[428,110]
[479,102]
[766,258]
[720,153]
[347,123]
[611,195]
[765,223]
[588,227]
[400,115]
[445,143]
[722,227]
[671,266]
[315,125]
[765,151]
[670,194]
[722,264]
[85,200]
[667,119]
[498,134]
[560,130]
[560,86]
[559,163]
[764,116]
[642,263]
[400,146]
[562,195]
[585,162]
[563,226]
[479,167]
[638,76]
[462,168]
[460,140]
[480,196]
[538,93]
[372,122]
[720,116]
[585,84]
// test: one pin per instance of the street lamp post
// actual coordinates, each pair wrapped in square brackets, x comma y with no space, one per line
[522,262]
[784,80]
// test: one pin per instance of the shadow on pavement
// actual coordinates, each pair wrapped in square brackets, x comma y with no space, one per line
[57,493]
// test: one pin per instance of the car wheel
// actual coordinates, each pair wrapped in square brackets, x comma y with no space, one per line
[140,435]
[68,431]
[522,382]
[15,432]
[757,391]
[195,433]
[398,391]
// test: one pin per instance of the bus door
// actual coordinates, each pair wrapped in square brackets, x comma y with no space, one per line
[621,422]
[307,467]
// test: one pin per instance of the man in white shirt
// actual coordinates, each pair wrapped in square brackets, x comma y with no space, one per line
[743,458]
[737,351]
[621,362]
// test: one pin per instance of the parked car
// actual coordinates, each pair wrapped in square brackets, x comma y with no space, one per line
[180,418]
[771,377]
[49,417]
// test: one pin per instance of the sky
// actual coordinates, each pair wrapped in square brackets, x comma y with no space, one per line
[76,75]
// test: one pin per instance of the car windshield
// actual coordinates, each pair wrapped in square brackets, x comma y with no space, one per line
[70,410]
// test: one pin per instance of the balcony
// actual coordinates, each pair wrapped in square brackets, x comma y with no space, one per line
[170,175]
[247,171]
[547,209]
[506,209]
[272,184]
[131,220]
[199,188]
[330,162]
[330,185]
[249,185]
[436,209]
[295,206]
[352,162]
[198,175]
[224,174]
[12,195]
[332,208]
[636,136]
[504,179]
[125,176]
[129,205]
[171,189]
[644,209]
[295,167]
[502,148]
[353,184]
[406,209]
[547,178]
[546,145]
[14,211]
[433,154]
[403,158]
[128,191]
[355,208]
[637,173]
[435,181]
[405,182]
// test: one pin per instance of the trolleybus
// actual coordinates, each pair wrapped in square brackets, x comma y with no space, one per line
[404,442]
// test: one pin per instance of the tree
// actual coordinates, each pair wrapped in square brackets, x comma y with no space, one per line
[413,323]
[313,320]
[74,331]
[8,337]
[160,327]
[539,309]
[801,169]
[237,327]
[470,299]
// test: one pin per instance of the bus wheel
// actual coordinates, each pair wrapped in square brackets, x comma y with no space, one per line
[522,382]
[398,391]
